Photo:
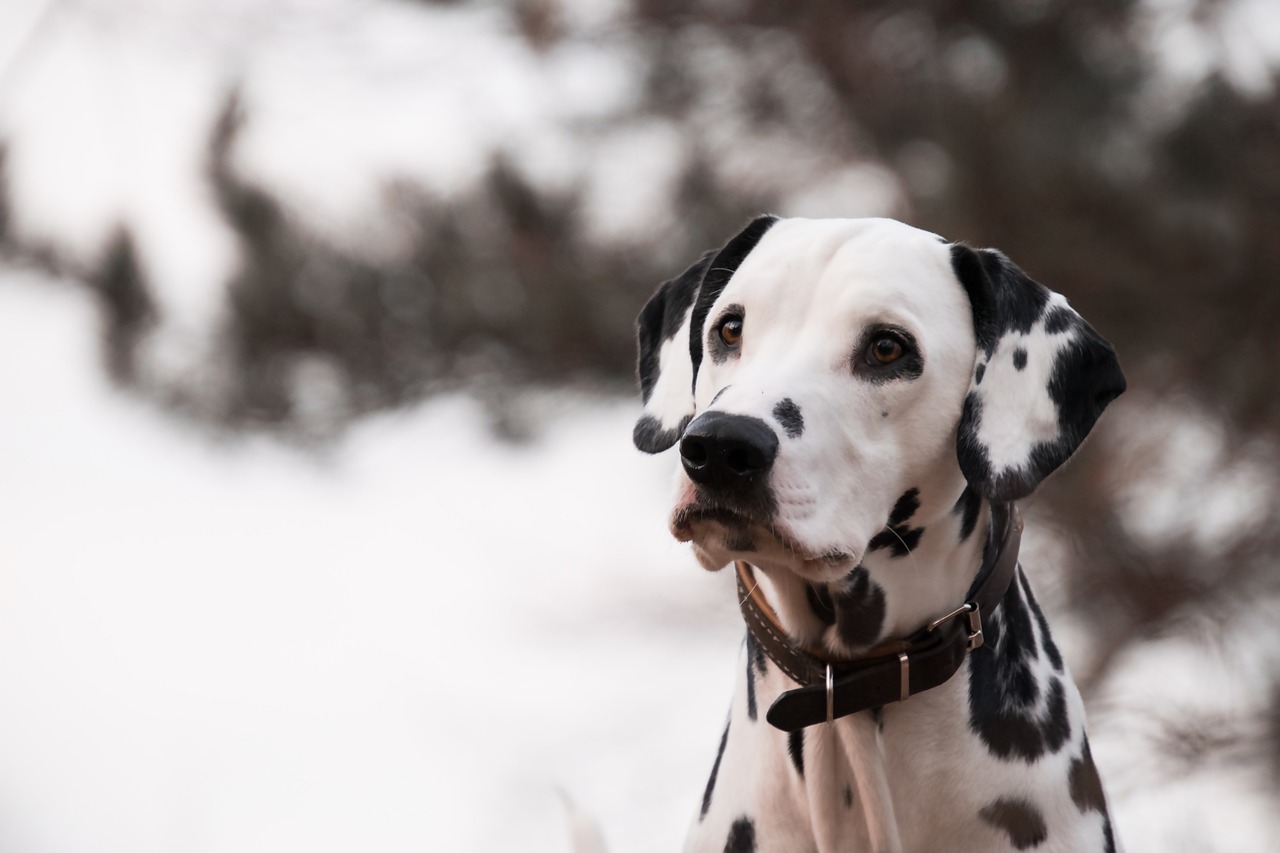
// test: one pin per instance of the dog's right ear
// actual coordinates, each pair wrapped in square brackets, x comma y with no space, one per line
[665,367]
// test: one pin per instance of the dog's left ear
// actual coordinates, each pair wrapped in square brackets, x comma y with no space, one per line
[1041,379]
[664,367]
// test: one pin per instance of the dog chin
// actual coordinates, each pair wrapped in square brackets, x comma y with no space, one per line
[716,544]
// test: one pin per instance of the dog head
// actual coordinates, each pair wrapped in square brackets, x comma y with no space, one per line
[817,375]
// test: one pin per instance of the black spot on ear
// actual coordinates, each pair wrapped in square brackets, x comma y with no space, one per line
[968,507]
[1086,786]
[715,771]
[980,372]
[795,747]
[719,271]
[742,837]
[649,436]
[1058,320]
[788,416]
[1085,376]
[662,317]
[1019,819]
[859,609]
[1020,359]
[900,538]
[1002,297]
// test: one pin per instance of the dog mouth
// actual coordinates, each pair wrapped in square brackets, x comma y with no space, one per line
[730,532]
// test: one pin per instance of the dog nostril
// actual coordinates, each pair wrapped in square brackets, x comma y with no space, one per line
[693,452]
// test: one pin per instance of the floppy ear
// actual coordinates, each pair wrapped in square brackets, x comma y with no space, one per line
[664,366]
[670,352]
[1040,382]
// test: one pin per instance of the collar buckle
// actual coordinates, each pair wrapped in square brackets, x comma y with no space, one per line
[975,640]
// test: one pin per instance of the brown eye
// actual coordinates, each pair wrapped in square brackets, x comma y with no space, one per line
[731,331]
[884,350]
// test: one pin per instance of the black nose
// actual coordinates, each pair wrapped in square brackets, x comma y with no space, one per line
[722,450]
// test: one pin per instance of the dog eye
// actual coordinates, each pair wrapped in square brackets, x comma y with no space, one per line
[884,350]
[731,331]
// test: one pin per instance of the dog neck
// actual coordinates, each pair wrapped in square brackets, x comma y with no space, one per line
[918,568]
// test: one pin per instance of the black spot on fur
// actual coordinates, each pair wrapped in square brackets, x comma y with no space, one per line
[718,395]
[978,373]
[788,415]
[900,538]
[1050,648]
[756,652]
[1058,320]
[1086,786]
[715,771]
[1004,697]
[649,436]
[795,747]
[968,507]
[877,714]
[742,837]
[1085,377]
[819,598]
[1020,359]
[1019,819]
[1002,297]
[751,678]
[848,797]
[719,271]
[859,609]
[662,317]
[739,541]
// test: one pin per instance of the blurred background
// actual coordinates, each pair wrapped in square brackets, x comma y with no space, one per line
[320,525]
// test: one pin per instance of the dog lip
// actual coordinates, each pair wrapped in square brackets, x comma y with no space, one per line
[683,519]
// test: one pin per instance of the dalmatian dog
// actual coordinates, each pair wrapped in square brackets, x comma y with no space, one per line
[857,405]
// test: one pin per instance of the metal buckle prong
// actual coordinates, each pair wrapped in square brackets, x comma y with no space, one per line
[905,683]
[975,623]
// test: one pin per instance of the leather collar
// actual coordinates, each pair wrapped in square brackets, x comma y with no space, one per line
[892,671]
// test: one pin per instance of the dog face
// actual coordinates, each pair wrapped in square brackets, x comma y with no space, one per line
[818,373]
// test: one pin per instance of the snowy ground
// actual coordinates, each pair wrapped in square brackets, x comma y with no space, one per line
[238,647]
[242,648]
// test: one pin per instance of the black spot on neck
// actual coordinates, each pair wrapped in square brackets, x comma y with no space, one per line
[978,373]
[819,598]
[859,607]
[1020,359]
[1086,786]
[899,538]
[969,508]
[742,837]
[795,747]
[751,677]
[715,771]
[1019,819]
[788,416]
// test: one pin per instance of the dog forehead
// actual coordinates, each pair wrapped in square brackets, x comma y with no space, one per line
[833,266]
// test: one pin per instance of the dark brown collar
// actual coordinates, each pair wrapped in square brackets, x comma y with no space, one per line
[892,671]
